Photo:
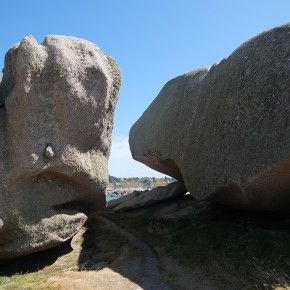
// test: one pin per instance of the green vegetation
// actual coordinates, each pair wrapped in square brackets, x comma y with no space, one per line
[259,257]
[136,182]
[28,272]
[18,281]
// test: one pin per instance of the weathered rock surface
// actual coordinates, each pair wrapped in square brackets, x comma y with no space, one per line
[119,192]
[224,130]
[138,199]
[57,103]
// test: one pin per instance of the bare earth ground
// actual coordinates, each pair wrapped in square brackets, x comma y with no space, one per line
[125,262]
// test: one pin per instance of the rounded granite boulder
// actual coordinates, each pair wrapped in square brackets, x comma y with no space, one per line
[224,130]
[57,103]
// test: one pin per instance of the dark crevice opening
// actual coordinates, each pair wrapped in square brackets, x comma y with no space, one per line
[2,107]
[75,206]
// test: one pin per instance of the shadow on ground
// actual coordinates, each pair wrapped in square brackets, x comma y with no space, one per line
[34,262]
[102,256]
[262,220]
[252,244]
[104,247]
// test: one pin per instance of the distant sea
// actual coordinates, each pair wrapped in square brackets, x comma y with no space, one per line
[111,197]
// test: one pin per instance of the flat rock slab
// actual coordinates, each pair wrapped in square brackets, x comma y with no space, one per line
[139,199]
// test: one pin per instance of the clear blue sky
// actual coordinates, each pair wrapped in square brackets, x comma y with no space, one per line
[152,41]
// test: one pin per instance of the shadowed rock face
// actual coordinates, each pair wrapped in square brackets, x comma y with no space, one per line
[225,130]
[57,102]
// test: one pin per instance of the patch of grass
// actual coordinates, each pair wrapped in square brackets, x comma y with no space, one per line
[24,281]
[19,273]
[260,257]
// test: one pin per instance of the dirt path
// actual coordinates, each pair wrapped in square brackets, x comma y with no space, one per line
[113,259]
[150,265]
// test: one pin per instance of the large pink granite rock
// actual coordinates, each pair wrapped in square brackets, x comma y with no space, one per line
[57,103]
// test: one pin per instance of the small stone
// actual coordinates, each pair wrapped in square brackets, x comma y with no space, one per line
[99,266]
[48,152]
